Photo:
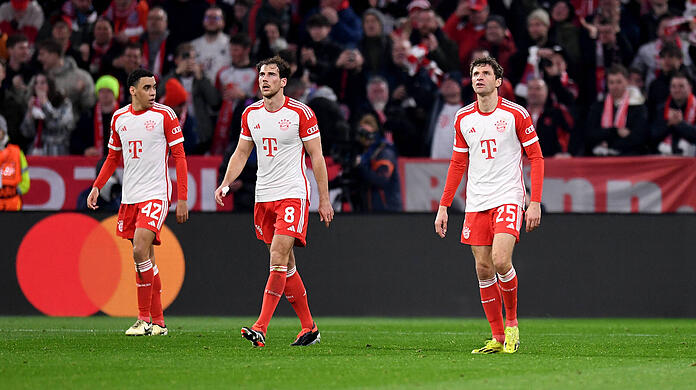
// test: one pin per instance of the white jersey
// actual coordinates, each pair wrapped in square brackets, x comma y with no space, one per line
[243,78]
[212,55]
[146,136]
[494,142]
[279,137]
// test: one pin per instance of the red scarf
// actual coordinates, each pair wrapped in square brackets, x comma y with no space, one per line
[689,111]
[221,135]
[158,63]
[99,127]
[618,120]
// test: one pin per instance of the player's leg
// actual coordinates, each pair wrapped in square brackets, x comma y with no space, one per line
[142,243]
[296,294]
[490,298]
[156,312]
[503,246]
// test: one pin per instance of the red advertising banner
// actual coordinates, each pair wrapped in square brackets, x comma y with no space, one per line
[56,182]
[582,185]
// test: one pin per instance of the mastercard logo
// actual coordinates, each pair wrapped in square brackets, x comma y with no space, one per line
[70,264]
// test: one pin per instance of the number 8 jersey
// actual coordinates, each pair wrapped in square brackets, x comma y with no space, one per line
[279,137]
[144,137]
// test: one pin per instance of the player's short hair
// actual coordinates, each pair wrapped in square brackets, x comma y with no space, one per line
[618,69]
[283,66]
[136,75]
[240,39]
[50,45]
[16,39]
[497,69]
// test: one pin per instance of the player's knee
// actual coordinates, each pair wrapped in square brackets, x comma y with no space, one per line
[485,271]
[140,253]
[502,263]
[279,257]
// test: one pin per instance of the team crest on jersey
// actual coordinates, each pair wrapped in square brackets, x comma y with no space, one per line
[150,125]
[466,232]
[284,124]
[500,125]
[120,225]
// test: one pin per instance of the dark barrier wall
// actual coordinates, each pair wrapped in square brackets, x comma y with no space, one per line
[394,265]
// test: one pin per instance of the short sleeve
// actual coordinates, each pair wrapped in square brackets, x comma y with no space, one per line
[245,132]
[460,144]
[172,129]
[114,139]
[525,129]
[309,129]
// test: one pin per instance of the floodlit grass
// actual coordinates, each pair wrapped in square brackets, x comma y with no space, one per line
[355,353]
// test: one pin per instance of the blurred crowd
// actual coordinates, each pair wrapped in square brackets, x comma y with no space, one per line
[385,77]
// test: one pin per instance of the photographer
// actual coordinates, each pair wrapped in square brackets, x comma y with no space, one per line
[377,173]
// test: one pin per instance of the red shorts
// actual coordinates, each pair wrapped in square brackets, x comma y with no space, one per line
[286,216]
[480,226]
[149,215]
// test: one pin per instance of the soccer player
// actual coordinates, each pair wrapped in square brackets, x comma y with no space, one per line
[489,136]
[282,129]
[145,132]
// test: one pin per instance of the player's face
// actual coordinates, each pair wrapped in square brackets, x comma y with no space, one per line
[483,80]
[144,92]
[269,80]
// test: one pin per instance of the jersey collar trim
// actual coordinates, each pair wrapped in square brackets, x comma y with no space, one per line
[500,99]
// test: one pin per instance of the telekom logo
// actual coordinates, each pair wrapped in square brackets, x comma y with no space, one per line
[488,148]
[270,145]
[135,148]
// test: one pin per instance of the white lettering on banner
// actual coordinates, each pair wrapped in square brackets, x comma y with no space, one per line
[580,191]
[208,186]
[84,173]
[56,185]
[192,189]
[424,183]
[620,195]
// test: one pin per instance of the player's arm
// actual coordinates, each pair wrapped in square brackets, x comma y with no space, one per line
[107,169]
[234,167]
[181,182]
[313,147]
[530,141]
[455,172]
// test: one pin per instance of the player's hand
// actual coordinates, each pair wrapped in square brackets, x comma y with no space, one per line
[441,221]
[326,212]
[220,193]
[532,216]
[92,198]
[181,211]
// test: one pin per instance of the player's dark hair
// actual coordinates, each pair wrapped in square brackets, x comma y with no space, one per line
[240,39]
[15,39]
[136,75]
[497,69]
[283,67]
[618,69]
[51,45]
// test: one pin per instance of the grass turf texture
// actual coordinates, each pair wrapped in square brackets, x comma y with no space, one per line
[364,353]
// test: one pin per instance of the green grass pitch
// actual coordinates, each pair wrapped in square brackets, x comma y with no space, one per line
[355,353]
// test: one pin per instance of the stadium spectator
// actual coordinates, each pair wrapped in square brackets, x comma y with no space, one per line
[236,16]
[345,24]
[337,140]
[103,49]
[553,123]
[347,79]
[271,42]
[203,98]
[176,97]
[494,187]
[19,67]
[129,60]
[320,54]
[497,40]
[561,87]
[375,42]
[674,129]
[646,58]
[212,48]
[48,121]
[428,34]
[377,167]
[145,188]
[618,125]
[671,61]
[281,192]
[82,16]
[235,82]
[447,103]
[14,172]
[21,16]
[269,10]
[467,25]
[75,83]
[565,32]
[93,129]
[623,16]
[128,17]
[157,47]
[525,63]
[649,21]
[60,32]
[186,13]
[12,107]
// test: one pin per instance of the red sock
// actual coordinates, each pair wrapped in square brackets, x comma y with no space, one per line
[271,296]
[297,296]
[143,281]
[490,299]
[508,288]
[156,306]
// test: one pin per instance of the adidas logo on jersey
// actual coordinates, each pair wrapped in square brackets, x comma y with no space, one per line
[511,226]
[472,130]
[291,228]
[152,223]
[257,127]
